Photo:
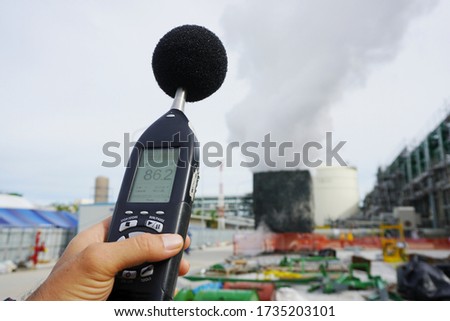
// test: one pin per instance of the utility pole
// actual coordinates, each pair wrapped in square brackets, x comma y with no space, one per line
[221,202]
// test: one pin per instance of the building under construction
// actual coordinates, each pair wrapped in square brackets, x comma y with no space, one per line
[418,177]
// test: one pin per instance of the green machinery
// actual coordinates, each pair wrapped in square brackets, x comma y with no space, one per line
[294,271]
[348,281]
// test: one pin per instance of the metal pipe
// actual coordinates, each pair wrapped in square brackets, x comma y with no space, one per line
[179,100]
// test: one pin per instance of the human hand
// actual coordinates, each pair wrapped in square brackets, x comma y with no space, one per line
[87,267]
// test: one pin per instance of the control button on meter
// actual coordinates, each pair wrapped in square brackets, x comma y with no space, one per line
[129,275]
[146,271]
[134,234]
[157,226]
[127,225]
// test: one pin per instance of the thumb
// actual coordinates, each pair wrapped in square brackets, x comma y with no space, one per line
[136,250]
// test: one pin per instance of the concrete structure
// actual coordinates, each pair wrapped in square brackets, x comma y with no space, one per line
[90,214]
[283,201]
[336,194]
[407,216]
[101,189]
[418,177]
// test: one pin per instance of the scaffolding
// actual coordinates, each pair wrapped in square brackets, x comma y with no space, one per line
[418,177]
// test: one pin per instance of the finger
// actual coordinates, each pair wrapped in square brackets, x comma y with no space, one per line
[133,251]
[184,267]
[187,242]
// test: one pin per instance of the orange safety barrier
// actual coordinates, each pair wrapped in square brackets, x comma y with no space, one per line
[296,242]
[256,243]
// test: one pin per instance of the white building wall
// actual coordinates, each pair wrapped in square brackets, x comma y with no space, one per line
[91,214]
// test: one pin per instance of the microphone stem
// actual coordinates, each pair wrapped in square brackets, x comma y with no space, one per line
[179,100]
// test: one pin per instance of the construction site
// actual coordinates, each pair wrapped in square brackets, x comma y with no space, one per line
[396,246]
[298,236]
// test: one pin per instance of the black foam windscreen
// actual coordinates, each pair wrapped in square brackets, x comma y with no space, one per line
[190,57]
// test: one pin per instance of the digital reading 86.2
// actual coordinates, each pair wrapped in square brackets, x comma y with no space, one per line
[155,175]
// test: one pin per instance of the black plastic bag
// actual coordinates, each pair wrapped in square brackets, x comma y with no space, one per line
[419,280]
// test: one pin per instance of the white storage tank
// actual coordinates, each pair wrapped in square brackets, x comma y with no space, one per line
[336,194]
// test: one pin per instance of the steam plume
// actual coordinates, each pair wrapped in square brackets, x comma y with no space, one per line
[299,57]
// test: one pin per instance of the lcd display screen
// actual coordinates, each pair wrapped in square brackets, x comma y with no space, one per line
[154,178]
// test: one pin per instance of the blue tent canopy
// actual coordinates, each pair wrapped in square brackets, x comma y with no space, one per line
[72,218]
[31,217]
[11,219]
[59,219]
[3,222]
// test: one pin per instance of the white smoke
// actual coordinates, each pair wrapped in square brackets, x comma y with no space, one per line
[299,57]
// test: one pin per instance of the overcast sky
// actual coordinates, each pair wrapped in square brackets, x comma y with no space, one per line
[75,75]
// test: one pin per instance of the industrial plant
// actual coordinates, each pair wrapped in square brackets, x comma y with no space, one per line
[418,177]
[289,214]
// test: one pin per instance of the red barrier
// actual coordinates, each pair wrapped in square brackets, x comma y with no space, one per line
[297,242]
[256,243]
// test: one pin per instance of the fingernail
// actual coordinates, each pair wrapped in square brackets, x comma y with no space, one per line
[172,241]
